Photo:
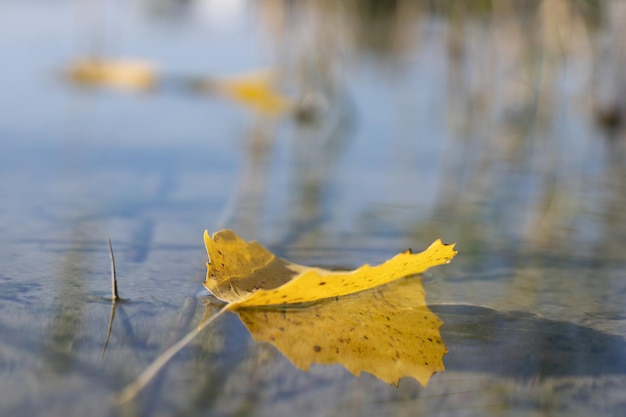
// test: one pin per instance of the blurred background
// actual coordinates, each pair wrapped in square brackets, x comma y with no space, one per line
[334,132]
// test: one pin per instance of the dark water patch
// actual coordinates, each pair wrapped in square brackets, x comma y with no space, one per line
[525,345]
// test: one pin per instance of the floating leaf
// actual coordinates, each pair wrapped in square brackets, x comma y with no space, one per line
[299,284]
[256,90]
[387,331]
[129,74]
[246,275]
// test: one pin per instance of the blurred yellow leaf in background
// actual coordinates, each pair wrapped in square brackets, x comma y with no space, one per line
[257,90]
[126,74]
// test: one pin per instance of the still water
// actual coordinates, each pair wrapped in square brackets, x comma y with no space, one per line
[496,125]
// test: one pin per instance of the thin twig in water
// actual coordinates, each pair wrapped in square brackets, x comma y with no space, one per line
[144,378]
[114,295]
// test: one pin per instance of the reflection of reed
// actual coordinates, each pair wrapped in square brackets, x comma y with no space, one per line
[518,80]
[300,179]
[515,162]
[64,327]
[609,88]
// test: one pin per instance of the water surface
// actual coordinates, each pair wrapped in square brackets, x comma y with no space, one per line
[496,125]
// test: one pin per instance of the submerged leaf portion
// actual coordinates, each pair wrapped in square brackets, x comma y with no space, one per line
[388,332]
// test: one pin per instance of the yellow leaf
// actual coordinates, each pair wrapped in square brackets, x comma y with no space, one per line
[286,283]
[256,90]
[387,331]
[248,275]
[130,74]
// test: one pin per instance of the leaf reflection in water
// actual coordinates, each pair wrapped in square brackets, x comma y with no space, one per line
[387,331]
